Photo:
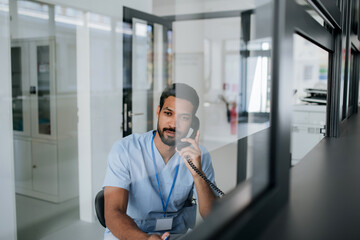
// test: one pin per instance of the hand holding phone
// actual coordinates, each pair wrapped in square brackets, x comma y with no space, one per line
[191,153]
[195,125]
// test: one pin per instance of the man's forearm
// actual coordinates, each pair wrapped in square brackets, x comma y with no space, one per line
[123,227]
[206,196]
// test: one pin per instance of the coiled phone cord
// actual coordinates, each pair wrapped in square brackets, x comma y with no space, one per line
[221,193]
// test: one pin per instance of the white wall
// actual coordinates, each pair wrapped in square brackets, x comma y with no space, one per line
[99,63]
[7,184]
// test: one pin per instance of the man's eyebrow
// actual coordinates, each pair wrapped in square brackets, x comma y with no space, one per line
[183,114]
[168,109]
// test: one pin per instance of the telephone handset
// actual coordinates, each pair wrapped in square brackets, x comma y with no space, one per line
[195,125]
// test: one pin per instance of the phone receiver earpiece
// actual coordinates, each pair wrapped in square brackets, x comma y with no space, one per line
[195,125]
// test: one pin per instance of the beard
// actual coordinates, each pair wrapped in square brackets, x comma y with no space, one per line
[170,141]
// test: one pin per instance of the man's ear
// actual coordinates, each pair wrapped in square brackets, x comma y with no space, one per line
[158,111]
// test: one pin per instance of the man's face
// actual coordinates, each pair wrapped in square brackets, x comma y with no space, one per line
[174,119]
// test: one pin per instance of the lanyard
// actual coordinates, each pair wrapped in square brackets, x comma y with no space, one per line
[157,178]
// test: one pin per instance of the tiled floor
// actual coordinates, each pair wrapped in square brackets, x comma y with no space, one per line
[78,230]
[37,218]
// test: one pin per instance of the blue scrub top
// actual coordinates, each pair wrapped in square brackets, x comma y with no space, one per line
[131,167]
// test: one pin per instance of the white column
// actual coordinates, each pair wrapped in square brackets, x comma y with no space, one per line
[84,120]
[7,179]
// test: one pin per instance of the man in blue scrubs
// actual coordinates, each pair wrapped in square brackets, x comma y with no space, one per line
[148,182]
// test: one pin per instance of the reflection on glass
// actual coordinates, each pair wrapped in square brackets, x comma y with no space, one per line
[99,22]
[143,77]
[311,11]
[230,68]
[144,63]
[127,51]
[33,9]
[43,82]
[309,97]
[68,16]
[352,81]
[150,55]
[169,69]
[16,75]
[46,169]
[4,6]
[258,72]
[227,59]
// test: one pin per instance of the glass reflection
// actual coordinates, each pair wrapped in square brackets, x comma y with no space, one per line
[311,11]
[309,97]
[226,59]
[43,83]
[43,38]
[33,9]
[16,70]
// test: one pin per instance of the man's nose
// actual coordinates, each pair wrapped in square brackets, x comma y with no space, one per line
[172,122]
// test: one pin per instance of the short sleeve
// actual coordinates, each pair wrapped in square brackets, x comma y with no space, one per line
[206,167]
[118,172]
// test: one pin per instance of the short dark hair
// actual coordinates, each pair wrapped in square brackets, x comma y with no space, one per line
[183,91]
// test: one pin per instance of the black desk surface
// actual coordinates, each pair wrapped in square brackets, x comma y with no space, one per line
[324,200]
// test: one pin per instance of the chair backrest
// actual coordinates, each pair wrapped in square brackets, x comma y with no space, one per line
[99,207]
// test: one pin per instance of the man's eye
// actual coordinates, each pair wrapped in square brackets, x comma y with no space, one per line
[168,113]
[185,118]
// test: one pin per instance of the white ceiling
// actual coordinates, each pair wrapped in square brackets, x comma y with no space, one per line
[177,7]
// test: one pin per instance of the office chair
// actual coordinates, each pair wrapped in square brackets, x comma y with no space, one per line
[99,207]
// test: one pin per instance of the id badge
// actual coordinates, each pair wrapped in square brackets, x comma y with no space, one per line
[163,224]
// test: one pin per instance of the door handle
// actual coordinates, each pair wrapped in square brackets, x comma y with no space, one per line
[32,90]
[135,114]
[125,117]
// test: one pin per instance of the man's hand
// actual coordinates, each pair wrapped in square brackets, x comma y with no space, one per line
[205,195]
[157,237]
[119,223]
[193,153]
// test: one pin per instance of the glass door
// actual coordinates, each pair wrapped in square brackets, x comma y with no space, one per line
[20,88]
[42,88]
[146,69]
[143,76]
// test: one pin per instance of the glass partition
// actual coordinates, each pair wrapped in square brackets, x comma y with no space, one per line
[309,97]
[110,73]
[227,59]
